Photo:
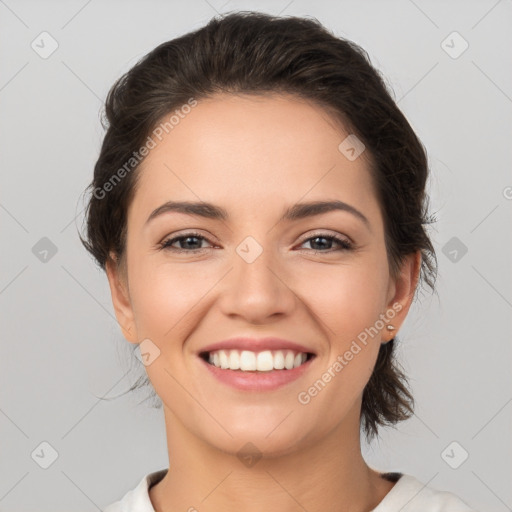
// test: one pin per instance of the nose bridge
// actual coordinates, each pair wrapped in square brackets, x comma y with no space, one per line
[255,288]
[253,260]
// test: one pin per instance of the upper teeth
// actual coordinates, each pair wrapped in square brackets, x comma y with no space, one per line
[265,361]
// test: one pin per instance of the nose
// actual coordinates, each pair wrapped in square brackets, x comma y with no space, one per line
[257,290]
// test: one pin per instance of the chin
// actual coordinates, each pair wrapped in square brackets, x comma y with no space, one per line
[267,436]
[256,445]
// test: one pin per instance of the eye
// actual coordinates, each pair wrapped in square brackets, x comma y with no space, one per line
[343,244]
[188,239]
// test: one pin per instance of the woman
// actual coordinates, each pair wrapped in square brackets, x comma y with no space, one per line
[259,206]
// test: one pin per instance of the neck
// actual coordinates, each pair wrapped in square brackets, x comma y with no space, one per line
[312,478]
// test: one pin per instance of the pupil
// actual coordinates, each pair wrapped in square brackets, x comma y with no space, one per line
[320,238]
[191,238]
[188,238]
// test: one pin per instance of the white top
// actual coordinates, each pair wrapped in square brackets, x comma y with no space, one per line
[407,495]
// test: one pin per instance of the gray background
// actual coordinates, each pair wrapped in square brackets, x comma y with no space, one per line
[62,350]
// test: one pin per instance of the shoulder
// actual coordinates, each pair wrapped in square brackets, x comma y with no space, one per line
[137,499]
[410,495]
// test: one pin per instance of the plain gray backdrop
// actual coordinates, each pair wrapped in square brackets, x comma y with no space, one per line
[449,65]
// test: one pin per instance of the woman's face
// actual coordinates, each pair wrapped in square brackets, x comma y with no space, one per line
[258,274]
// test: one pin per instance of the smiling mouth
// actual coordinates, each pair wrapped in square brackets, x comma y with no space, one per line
[264,361]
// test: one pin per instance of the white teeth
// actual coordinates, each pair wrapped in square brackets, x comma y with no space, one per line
[264,361]
[223,358]
[289,359]
[234,360]
[247,361]
[279,360]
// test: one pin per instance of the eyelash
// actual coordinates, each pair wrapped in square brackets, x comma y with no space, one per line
[344,244]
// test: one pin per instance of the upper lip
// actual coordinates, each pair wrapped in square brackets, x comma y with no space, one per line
[256,345]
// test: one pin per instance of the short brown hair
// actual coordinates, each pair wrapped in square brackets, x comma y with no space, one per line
[256,53]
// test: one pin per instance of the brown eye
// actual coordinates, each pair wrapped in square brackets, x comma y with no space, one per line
[326,241]
[188,241]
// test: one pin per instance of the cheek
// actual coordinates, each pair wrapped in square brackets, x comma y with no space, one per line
[348,302]
[347,299]
[163,296]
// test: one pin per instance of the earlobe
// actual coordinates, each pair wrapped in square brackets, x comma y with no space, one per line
[121,299]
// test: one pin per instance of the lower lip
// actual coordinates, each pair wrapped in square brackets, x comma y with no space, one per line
[257,381]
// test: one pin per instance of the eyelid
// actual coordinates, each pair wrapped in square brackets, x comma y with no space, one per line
[326,232]
[189,232]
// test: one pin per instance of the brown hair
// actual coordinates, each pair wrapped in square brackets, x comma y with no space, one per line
[256,53]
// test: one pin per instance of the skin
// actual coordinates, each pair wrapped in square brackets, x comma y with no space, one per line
[255,156]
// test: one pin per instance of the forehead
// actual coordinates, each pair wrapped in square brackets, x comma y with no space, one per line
[240,150]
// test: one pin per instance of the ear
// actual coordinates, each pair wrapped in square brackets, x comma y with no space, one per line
[117,279]
[401,293]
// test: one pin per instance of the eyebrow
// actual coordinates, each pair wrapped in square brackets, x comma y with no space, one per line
[295,212]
